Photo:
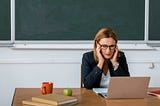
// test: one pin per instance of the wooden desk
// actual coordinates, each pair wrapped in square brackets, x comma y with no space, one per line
[86,98]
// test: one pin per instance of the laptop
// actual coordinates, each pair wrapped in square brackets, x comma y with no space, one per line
[125,87]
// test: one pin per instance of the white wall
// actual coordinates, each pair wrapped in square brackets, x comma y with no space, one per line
[29,67]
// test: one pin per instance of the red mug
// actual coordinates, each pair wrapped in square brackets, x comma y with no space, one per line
[47,88]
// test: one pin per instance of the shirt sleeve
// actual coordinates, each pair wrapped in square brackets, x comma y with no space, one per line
[91,74]
[122,69]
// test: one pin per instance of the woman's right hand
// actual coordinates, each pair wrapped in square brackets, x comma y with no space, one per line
[100,57]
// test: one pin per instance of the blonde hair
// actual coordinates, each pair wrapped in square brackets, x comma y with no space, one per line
[103,33]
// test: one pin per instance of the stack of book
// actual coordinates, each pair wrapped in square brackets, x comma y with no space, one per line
[155,93]
[51,100]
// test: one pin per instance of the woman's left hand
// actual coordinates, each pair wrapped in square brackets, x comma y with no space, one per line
[115,55]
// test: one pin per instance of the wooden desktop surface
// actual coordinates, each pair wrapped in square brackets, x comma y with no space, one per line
[86,98]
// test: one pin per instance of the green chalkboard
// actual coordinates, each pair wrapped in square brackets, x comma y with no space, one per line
[78,19]
[5,25]
[154,20]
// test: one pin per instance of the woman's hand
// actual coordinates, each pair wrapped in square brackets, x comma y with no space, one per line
[100,57]
[115,55]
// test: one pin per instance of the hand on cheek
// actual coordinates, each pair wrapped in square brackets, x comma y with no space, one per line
[100,57]
[115,55]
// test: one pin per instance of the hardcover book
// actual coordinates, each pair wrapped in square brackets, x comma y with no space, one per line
[155,93]
[30,102]
[55,99]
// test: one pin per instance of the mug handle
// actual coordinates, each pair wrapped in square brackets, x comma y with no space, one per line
[43,90]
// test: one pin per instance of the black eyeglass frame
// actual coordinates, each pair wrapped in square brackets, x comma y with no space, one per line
[104,47]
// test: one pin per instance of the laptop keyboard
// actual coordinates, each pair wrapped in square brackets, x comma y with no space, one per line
[101,91]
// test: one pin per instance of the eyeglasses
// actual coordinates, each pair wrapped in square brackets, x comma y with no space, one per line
[104,47]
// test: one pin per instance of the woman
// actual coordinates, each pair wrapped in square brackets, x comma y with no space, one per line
[104,61]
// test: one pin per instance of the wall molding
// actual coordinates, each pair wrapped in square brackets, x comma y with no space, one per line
[60,61]
[41,61]
[82,46]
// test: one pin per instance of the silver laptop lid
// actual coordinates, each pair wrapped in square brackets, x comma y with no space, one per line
[128,87]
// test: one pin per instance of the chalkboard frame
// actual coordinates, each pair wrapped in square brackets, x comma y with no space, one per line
[13,40]
[126,25]
[5,23]
[154,22]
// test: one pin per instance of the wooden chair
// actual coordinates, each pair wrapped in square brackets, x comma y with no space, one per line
[82,85]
